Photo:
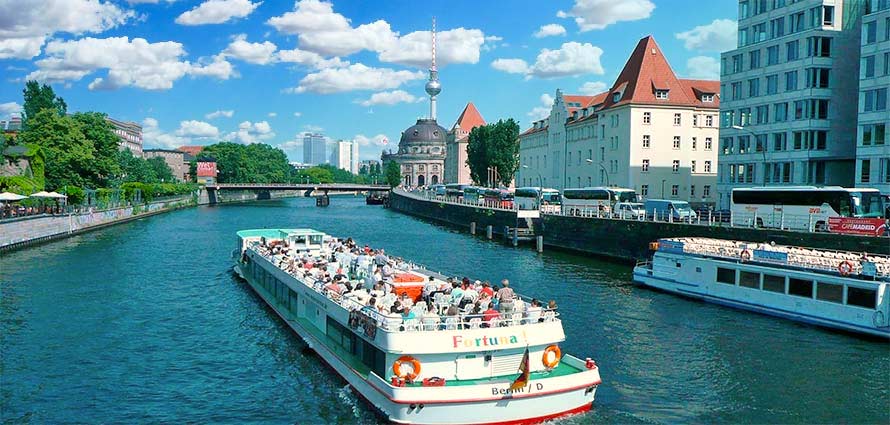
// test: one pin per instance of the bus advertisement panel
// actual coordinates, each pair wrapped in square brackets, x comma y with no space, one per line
[857,226]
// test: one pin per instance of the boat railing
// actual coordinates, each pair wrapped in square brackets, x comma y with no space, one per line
[846,263]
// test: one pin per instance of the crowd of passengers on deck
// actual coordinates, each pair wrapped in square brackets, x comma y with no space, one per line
[363,278]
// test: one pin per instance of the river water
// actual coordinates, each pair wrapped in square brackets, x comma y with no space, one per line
[144,323]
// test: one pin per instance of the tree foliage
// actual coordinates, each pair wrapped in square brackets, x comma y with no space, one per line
[253,163]
[393,174]
[494,146]
[105,146]
[70,156]
[38,98]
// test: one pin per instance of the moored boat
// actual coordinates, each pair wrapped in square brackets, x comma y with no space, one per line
[429,365]
[841,290]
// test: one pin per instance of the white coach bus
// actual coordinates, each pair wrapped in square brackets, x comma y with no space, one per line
[802,207]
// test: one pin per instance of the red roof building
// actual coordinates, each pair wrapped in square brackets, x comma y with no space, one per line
[191,150]
[456,169]
[651,131]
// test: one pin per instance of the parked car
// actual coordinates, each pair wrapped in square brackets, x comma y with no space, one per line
[669,210]
[630,210]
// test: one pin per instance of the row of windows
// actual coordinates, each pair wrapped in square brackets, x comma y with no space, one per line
[809,109]
[813,172]
[814,78]
[815,17]
[677,142]
[800,140]
[874,100]
[882,169]
[822,291]
[816,47]
[870,31]
[675,166]
[869,65]
[678,118]
[874,134]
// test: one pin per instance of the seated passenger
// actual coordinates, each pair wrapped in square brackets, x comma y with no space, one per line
[489,315]
[457,294]
[406,301]
[533,312]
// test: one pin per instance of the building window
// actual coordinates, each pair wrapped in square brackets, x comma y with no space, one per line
[762,114]
[695,120]
[677,119]
[676,166]
[707,167]
[692,166]
[791,81]
[819,47]
[754,59]
[694,143]
[647,117]
[868,66]
[736,90]
[780,112]
[772,55]
[754,87]
[675,190]
[737,62]
[646,141]
[709,120]
[772,84]
[691,190]
[708,143]
[865,171]
[871,32]
[707,98]
[792,50]
[645,167]
[780,142]
[885,170]
[817,78]
[875,100]
[661,94]
[644,190]
[676,142]
[706,191]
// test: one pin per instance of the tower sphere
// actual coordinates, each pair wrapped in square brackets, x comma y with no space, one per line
[433,87]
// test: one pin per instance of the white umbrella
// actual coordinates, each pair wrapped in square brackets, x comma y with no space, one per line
[55,195]
[7,196]
[41,194]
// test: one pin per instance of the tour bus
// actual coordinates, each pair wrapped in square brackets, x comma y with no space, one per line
[590,200]
[526,198]
[499,198]
[472,194]
[803,207]
[455,190]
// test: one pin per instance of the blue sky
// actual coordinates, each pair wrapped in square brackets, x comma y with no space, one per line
[195,72]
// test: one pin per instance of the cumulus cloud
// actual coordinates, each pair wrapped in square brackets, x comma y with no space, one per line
[321,30]
[197,129]
[570,59]
[388,98]
[9,108]
[550,30]
[137,63]
[591,88]
[256,53]
[153,136]
[703,67]
[298,114]
[355,77]
[272,114]
[310,59]
[249,132]
[718,36]
[543,111]
[25,26]
[598,14]
[218,68]
[510,66]
[220,113]
[217,12]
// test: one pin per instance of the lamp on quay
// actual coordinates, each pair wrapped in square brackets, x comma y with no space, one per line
[605,172]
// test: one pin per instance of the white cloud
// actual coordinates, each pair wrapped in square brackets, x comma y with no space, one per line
[220,113]
[321,30]
[718,36]
[137,63]
[197,130]
[511,66]
[703,67]
[25,25]
[257,53]
[153,136]
[220,69]
[598,14]
[389,98]
[313,128]
[148,1]
[298,114]
[217,12]
[543,111]
[355,77]
[591,88]
[272,114]
[550,30]
[310,59]
[371,146]
[9,108]
[571,58]
[249,132]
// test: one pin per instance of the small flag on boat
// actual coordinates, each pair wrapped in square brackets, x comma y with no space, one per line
[522,380]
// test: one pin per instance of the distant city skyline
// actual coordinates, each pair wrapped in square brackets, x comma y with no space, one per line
[250,71]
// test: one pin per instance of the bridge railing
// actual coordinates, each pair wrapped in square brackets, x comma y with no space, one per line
[350,186]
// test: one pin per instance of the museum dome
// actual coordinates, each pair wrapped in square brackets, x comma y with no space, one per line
[425,132]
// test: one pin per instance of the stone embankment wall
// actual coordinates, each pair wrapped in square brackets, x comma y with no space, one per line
[229,196]
[25,231]
[621,239]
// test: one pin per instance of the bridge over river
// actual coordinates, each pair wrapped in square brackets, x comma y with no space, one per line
[216,193]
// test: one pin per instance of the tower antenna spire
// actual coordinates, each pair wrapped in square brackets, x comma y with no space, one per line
[433,87]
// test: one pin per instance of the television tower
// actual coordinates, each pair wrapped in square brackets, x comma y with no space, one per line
[433,87]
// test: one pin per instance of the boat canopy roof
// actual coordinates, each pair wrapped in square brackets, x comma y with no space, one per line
[277,233]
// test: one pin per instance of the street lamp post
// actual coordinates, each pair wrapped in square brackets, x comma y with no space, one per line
[662,187]
[762,151]
[605,172]
[540,187]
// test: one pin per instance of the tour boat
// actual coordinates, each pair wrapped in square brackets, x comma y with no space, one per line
[417,371]
[841,290]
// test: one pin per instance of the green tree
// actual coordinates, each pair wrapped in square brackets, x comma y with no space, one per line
[254,163]
[160,169]
[38,98]
[69,154]
[494,146]
[393,174]
[99,131]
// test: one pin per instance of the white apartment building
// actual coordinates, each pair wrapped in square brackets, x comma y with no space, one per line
[129,135]
[873,142]
[652,132]
[344,155]
[788,115]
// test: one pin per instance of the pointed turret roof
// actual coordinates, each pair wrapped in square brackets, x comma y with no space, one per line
[469,118]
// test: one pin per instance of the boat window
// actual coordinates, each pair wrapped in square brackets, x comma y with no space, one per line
[374,358]
[338,334]
[725,276]
[749,280]
[800,287]
[830,292]
[861,297]
[774,283]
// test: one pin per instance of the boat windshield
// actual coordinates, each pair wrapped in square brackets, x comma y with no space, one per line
[867,204]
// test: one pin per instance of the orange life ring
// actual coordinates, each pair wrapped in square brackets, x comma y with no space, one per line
[745,255]
[845,268]
[550,363]
[415,366]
